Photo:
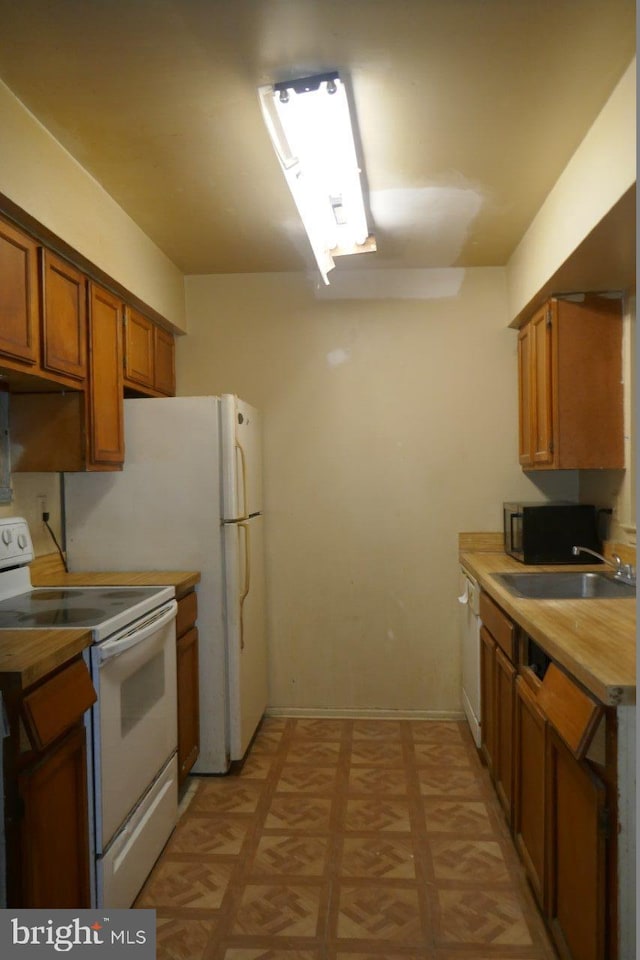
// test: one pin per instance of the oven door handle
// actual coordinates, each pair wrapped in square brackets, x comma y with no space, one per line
[113,648]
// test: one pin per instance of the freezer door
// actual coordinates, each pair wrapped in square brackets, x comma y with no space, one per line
[241,431]
[246,631]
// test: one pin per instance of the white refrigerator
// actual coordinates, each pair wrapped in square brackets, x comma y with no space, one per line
[190,498]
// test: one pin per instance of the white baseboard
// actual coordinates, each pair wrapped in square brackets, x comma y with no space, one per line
[361,713]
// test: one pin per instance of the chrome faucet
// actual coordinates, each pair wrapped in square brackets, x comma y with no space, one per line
[623,571]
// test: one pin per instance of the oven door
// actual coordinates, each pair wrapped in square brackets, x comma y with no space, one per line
[135,719]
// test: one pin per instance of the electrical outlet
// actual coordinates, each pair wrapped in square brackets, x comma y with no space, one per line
[43,504]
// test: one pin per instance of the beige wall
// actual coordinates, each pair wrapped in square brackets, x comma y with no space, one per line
[390,426]
[41,177]
[601,171]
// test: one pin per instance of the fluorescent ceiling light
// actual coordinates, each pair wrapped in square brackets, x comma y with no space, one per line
[310,127]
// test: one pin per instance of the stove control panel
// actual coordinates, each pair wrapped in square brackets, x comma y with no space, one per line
[16,548]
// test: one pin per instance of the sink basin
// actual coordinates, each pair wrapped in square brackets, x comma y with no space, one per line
[565,586]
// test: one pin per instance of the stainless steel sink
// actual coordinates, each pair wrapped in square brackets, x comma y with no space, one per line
[569,585]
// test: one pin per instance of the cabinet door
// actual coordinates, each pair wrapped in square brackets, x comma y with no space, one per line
[64,318]
[529,785]
[525,398]
[542,386]
[165,374]
[106,425]
[188,702]
[139,349]
[505,673]
[54,832]
[18,295]
[575,801]
[487,696]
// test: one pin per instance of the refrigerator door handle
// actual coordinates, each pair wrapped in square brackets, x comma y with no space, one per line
[247,577]
[243,463]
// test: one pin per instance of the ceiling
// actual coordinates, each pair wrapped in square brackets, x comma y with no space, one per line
[467,112]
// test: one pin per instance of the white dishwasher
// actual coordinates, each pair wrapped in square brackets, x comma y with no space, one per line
[470,630]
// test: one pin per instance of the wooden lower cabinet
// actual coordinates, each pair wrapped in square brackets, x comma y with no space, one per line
[535,739]
[46,809]
[54,830]
[487,696]
[188,713]
[188,685]
[505,673]
[497,678]
[529,786]
[576,854]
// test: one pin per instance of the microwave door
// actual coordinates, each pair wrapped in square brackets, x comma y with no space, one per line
[515,533]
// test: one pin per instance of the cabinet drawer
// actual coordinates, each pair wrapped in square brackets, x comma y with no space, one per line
[187,613]
[58,703]
[569,710]
[498,625]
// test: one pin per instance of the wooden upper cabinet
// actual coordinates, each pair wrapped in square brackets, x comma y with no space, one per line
[149,356]
[139,351]
[105,416]
[535,379]
[570,386]
[165,370]
[64,317]
[82,429]
[542,384]
[524,396]
[19,340]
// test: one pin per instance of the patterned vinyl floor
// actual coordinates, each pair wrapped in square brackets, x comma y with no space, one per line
[346,840]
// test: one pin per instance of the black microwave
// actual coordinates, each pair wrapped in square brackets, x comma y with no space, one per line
[547,532]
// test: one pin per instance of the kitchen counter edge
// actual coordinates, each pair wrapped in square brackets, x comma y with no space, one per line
[182,580]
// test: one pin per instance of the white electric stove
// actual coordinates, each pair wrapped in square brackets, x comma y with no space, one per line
[132,728]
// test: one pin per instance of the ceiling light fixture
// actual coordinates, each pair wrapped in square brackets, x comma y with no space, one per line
[310,127]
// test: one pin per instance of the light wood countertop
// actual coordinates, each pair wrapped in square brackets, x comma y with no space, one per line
[182,580]
[27,656]
[594,640]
